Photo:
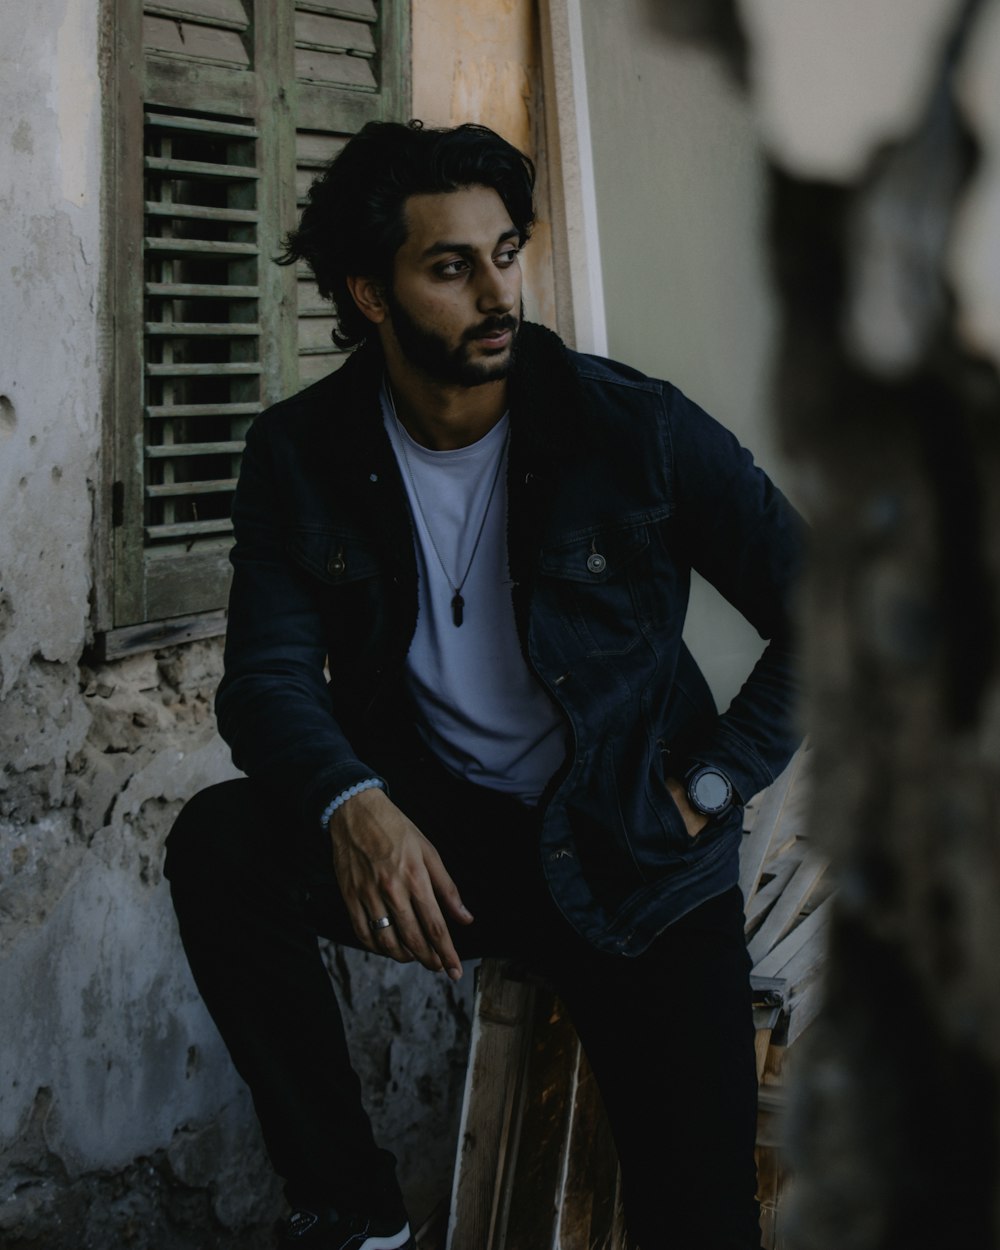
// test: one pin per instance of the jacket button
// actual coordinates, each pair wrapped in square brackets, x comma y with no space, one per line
[336,564]
[596,563]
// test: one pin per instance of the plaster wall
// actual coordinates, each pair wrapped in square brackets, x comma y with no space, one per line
[121,1119]
[680,184]
[107,1056]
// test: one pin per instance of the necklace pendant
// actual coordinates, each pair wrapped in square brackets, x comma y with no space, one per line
[457,609]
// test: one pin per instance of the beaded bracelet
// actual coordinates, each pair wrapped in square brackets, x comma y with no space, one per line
[372,783]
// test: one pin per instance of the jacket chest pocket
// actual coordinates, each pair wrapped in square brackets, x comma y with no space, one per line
[597,584]
[348,580]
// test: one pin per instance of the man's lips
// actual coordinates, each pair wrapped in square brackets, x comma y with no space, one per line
[496,338]
[493,335]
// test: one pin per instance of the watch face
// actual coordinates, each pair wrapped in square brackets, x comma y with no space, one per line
[710,791]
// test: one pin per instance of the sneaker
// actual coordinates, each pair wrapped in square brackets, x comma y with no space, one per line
[329,1230]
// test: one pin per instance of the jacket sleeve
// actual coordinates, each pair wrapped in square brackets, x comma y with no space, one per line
[272,705]
[739,531]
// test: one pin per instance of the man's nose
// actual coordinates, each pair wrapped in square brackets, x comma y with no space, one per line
[498,289]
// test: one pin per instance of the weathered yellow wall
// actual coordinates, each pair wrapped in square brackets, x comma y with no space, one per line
[475,61]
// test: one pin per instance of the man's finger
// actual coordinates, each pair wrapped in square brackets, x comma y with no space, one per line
[408,930]
[433,925]
[444,887]
[387,939]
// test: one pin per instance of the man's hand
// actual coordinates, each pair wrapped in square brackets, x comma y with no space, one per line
[386,867]
[694,821]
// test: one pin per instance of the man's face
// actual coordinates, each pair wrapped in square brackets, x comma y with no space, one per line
[455,301]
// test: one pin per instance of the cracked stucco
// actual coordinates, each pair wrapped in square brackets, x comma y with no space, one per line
[121,1119]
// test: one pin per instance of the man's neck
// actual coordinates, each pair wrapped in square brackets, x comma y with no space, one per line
[444,417]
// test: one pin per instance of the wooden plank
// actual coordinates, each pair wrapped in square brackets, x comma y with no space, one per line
[314,334]
[492,1104]
[187,582]
[229,14]
[311,303]
[170,411]
[203,329]
[325,33]
[532,1193]
[201,290]
[168,451]
[395,61]
[773,964]
[362,10]
[176,122]
[811,953]
[334,67]
[188,530]
[769,815]
[589,1202]
[201,212]
[312,368]
[220,370]
[180,490]
[191,41]
[125,481]
[217,248]
[207,170]
[115,644]
[767,895]
[761,1043]
[217,89]
[314,150]
[767,991]
[216,369]
[329,107]
[793,898]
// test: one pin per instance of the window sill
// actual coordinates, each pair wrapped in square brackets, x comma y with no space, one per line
[115,644]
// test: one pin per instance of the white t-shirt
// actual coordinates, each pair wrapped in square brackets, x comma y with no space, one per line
[481,711]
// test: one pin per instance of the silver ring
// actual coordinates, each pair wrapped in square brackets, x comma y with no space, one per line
[383,922]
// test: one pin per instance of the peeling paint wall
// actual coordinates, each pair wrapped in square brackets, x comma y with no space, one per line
[121,1119]
[480,61]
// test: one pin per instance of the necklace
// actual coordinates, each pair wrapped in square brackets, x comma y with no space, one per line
[457,601]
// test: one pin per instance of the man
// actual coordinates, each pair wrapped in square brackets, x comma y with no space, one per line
[488,539]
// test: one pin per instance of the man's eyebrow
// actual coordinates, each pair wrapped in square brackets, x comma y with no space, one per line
[464,249]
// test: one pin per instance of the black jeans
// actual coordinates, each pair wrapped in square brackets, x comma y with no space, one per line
[668,1034]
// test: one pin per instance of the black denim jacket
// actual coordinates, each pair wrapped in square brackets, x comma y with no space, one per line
[603,461]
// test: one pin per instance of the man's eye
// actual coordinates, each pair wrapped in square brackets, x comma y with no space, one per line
[452,268]
[508,256]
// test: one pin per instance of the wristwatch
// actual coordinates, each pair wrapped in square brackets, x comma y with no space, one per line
[709,790]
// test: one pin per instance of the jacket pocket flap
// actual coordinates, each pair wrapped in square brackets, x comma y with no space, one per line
[332,556]
[597,557]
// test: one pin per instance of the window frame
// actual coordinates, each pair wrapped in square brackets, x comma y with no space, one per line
[137,599]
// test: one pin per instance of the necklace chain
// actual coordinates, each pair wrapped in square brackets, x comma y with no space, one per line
[457,601]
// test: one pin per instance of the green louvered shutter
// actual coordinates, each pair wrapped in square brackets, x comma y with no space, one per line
[225,111]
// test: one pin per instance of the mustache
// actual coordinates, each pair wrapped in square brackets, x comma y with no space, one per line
[492,325]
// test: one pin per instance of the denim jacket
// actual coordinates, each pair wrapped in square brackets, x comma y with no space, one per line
[603,462]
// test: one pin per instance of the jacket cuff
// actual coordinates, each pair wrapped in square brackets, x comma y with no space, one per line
[748,773]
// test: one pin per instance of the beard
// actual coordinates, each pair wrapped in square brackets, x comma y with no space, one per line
[438,360]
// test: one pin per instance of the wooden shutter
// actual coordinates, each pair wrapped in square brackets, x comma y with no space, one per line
[225,111]
[347,68]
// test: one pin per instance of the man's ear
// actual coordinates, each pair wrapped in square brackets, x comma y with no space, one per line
[369,295]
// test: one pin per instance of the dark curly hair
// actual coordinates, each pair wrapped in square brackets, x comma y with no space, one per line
[353,222]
